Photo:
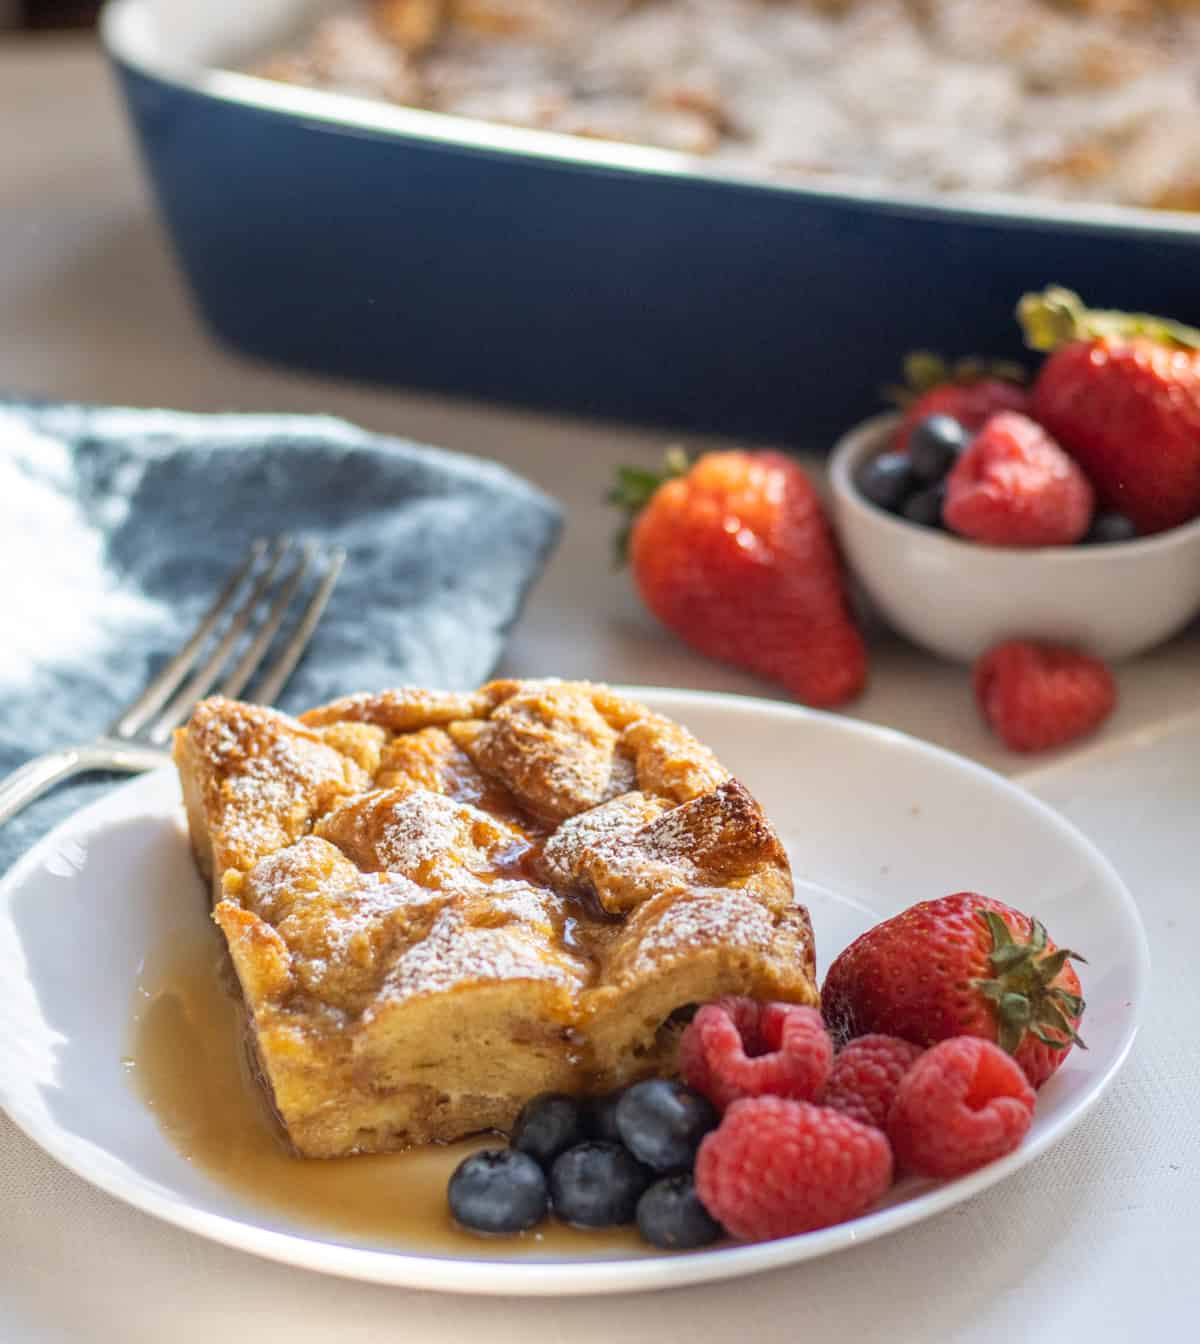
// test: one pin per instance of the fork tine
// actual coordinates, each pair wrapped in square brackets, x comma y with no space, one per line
[204,678]
[156,694]
[249,661]
[273,681]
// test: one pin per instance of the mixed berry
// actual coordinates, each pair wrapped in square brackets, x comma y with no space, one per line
[733,551]
[1104,447]
[599,1162]
[936,1027]
[969,392]
[1008,484]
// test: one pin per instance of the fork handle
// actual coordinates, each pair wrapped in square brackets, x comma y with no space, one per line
[38,776]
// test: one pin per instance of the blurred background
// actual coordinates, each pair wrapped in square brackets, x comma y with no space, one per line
[32,14]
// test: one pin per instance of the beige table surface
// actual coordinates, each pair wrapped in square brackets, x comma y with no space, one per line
[92,308]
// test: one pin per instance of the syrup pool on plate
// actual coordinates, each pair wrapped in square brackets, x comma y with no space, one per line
[188,1061]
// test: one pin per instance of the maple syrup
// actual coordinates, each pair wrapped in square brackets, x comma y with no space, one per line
[189,1062]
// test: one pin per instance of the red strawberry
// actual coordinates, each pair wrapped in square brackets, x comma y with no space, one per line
[734,555]
[970,392]
[964,965]
[1014,486]
[1121,393]
[1038,696]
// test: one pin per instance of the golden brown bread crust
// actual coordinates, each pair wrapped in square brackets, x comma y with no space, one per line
[439,904]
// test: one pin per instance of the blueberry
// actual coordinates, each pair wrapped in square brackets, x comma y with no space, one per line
[934,446]
[498,1190]
[1107,528]
[600,1116]
[925,507]
[886,480]
[671,1216]
[549,1124]
[662,1123]
[597,1184]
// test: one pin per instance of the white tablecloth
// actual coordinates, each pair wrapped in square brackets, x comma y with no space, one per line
[1095,1241]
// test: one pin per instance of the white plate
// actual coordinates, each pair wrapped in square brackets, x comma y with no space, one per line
[873,821]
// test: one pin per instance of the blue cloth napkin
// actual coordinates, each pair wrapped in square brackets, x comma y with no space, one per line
[118,526]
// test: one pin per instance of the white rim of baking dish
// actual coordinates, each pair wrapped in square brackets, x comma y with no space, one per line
[127,40]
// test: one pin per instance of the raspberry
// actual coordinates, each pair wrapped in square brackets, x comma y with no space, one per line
[777,1167]
[736,1048]
[744,1015]
[865,1077]
[1014,486]
[964,1103]
[1037,696]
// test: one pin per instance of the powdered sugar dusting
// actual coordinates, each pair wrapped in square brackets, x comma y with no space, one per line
[266,778]
[602,829]
[425,835]
[1095,100]
[723,833]
[638,847]
[552,748]
[424,827]
[502,932]
[341,927]
[381,895]
[670,761]
[699,920]
[683,830]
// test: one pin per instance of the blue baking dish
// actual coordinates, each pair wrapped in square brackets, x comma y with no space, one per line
[355,238]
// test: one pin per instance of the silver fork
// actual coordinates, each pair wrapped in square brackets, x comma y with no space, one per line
[269,577]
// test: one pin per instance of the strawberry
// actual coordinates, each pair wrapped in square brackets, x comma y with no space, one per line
[1014,486]
[964,965]
[971,392]
[1038,696]
[734,554]
[1121,393]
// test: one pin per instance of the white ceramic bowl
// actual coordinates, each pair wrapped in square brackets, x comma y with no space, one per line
[958,598]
